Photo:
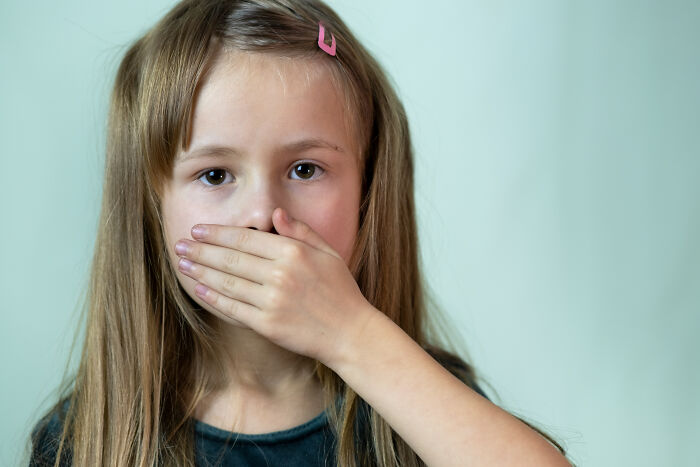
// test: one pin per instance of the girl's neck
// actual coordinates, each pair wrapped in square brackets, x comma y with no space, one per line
[264,387]
[253,415]
[254,365]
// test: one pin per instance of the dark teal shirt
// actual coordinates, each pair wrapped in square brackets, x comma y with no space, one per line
[309,444]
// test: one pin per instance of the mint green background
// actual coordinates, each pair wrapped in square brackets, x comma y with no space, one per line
[557,173]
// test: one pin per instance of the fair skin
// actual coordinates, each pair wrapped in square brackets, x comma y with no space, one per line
[287,299]
[320,185]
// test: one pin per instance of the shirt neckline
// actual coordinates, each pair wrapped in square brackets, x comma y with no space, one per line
[211,432]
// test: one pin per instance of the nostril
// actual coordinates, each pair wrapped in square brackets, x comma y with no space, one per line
[274,231]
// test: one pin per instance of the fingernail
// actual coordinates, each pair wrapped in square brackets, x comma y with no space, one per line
[181,248]
[199,231]
[185,265]
[201,290]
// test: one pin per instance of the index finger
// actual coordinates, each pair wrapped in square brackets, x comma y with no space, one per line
[263,244]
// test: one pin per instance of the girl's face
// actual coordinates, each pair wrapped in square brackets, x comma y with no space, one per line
[267,132]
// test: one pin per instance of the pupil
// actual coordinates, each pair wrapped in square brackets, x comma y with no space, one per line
[214,172]
[308,172]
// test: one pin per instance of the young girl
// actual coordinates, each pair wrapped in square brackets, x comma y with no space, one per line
[256,296]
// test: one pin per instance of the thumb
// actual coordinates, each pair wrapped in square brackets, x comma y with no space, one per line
[294,228]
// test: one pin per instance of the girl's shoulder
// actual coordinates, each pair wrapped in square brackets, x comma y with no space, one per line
[46,437]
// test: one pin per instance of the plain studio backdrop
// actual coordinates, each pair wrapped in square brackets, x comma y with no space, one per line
[557,166]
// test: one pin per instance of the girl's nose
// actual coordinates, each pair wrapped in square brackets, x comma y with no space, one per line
[264,225]
[272,230]
[254,208]
[257,218]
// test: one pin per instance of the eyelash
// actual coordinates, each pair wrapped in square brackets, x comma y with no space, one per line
[206,171]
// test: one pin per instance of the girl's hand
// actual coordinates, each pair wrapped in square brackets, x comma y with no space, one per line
[292,288]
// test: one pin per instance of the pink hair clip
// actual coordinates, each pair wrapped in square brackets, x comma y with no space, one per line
[330,50]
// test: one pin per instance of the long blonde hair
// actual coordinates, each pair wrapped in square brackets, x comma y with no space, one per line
[141,372]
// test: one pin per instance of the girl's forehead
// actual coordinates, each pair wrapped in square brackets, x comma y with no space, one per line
[259,81]
[256,98]
[267,68]
[251,84]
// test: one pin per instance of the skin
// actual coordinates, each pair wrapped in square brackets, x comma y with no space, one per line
[258,104]
[289,296]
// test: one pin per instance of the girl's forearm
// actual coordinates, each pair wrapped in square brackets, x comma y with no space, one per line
[443,420]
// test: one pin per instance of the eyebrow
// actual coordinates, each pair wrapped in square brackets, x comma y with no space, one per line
[215,150]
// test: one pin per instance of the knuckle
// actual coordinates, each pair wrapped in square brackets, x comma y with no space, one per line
[232,308]
[293,250]
[275,299]
[242,239]
[232,259]
[279,278]
[229,284]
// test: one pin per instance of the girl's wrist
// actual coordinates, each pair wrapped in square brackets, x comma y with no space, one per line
[352,340]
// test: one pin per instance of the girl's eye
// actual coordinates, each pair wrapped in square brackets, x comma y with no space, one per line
[308,169]
[214,177]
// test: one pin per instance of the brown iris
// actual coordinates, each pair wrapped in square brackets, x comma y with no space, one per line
[305,173]
[215,180]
